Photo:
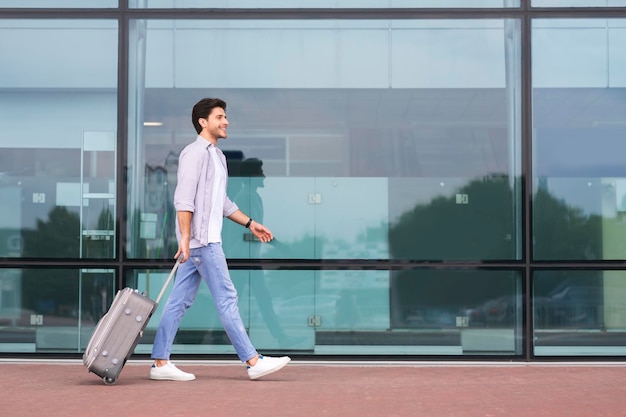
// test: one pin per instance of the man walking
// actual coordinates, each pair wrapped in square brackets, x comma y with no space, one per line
[201,204]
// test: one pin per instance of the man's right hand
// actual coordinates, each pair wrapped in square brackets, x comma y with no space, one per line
[182,254]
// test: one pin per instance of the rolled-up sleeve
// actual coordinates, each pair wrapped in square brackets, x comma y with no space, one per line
[188,176]
[229,207]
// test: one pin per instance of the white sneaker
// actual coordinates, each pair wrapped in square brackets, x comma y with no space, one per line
[169,372]
[266,365]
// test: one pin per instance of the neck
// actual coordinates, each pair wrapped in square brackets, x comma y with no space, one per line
[209,138]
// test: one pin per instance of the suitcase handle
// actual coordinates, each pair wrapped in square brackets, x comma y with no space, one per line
[169,278]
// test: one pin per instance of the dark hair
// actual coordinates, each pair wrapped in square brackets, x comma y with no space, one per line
[203,108]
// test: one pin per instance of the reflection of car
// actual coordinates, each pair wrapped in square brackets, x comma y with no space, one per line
[570,306]
[566,306]
[499,311]
[430,317]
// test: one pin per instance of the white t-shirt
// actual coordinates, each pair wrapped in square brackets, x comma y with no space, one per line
[219,194]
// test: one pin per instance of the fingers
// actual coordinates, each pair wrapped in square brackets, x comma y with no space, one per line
[264,235]
[182,255]
[261,232]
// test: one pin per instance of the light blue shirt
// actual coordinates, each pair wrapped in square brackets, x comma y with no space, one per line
[194,191]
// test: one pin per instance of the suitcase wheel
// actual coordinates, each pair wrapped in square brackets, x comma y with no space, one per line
[108,380]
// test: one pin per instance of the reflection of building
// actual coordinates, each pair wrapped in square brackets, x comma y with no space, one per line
[10,296]
[445,198]
[157,210]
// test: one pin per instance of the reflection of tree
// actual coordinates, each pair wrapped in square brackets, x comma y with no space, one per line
[54,292]
[49,291]
[100,246]
[562,232]
[56,238]
[105,219]
[483,229]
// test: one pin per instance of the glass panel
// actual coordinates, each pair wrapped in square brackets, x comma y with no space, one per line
[579,313]
[53,4]
[460,312]
[52,310]
[431,151]
[578,122]
[58,185]
[321,3]
[578,3]
[281,306]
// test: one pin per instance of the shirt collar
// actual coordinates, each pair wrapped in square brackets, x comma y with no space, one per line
[205,142]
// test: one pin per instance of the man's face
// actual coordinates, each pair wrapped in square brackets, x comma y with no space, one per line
[215,125]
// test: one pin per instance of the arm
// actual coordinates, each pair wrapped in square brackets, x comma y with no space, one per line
[188,175]
[184,223]
[261,232]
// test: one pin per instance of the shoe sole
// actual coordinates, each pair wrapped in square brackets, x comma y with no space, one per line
[270,371]
[157,378]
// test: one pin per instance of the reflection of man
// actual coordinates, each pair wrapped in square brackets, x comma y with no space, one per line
[252,170]
[347,311]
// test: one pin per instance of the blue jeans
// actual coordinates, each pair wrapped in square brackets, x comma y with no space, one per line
[207,263]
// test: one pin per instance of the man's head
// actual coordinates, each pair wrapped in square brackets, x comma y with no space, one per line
[252,167]
[210,113]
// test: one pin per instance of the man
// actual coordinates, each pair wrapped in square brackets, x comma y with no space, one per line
[201,204]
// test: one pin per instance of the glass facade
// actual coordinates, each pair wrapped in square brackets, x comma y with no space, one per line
[42,4]
[578,3]
[322,4]
[440,186]
[579,184]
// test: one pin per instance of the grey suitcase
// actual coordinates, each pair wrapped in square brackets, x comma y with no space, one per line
[118,332]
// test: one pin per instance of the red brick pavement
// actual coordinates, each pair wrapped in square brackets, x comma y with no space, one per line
[303,389]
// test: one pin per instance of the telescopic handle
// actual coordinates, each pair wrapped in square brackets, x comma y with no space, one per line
[169,278]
